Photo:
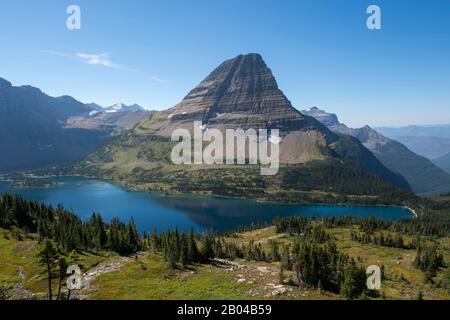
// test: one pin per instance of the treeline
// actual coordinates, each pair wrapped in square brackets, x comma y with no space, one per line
[341,178]
[295,183]
[395,241]
[301,226]
[182,249]
[430,225]
[64,227]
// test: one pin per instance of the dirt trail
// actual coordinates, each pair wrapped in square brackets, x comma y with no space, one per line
[20,292]
[89,277]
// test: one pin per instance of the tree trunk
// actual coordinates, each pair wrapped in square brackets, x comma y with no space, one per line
[59,289]
[49,281]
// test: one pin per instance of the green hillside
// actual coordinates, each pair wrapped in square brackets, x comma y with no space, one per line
[296,258]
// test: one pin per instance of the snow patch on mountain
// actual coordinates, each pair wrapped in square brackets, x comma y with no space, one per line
[121,107]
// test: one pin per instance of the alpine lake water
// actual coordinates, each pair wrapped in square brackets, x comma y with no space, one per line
[152,210]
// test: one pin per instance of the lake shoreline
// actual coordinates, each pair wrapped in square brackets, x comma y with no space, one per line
[177,196]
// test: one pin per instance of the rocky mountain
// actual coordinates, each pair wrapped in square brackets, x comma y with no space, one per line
[116,118]
[241,93]
[120,107]
[423,176]
[37,130]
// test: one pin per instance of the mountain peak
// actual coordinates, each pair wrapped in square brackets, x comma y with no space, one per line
[250,55]
[240,92]
[244,74]
[121,107]
[327,119]
[67,99]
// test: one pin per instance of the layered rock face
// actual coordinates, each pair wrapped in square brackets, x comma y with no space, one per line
[242,93]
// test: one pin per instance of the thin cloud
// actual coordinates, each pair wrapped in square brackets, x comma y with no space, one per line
[159,80]
[102,59]
[96,59]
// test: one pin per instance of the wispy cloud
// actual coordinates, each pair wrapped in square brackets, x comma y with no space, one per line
[103,60]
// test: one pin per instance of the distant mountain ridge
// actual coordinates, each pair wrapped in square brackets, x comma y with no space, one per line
[430,141]
[38,130]
[423,176]
[438,130]
[443,162]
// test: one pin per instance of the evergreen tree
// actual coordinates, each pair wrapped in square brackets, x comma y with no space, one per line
[207,251]
[48,255]
[281,274]
[62,269]
[274,247]
[194,254]
[286,261]
[354,282]
[155,244]
[184,249]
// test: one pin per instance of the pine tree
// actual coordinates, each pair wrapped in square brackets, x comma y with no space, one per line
[194,254]
[281,274]
[286,261]
[354,282]
[184,249]
[47,255]
[62,269]
[275,254]
[154,241]
[207,251]
[132,236]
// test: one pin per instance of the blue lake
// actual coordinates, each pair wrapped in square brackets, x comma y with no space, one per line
[85,196]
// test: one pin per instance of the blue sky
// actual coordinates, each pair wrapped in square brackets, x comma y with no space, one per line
[320,51]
